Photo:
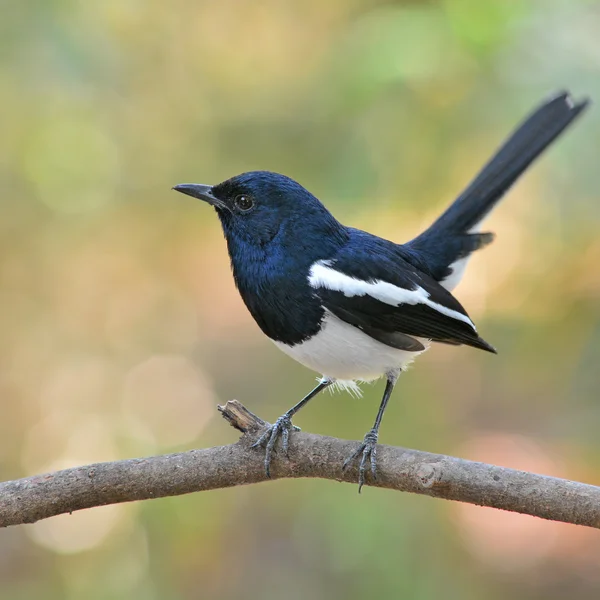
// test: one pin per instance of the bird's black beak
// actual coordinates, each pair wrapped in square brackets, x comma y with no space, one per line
[201,192]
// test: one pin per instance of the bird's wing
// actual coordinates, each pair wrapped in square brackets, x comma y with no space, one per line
[391,301]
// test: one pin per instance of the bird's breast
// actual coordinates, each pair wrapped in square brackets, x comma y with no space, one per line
[283,305]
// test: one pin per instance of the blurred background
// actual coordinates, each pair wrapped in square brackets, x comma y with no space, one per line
[121,329]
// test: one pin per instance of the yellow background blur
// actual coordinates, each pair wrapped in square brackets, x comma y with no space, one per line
[120,327]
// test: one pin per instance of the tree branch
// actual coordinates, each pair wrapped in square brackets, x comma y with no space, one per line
[42,496]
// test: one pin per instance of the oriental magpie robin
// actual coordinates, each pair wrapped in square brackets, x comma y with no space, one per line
[350,305]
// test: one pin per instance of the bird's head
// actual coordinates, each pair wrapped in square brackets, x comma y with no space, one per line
[259,206]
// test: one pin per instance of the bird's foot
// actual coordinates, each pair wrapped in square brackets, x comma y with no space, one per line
[281,428]
[367,451]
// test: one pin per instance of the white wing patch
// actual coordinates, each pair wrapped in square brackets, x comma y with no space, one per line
[322,275]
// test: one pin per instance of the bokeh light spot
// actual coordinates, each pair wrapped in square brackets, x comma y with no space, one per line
[82,530]
[171,396]
[73,164]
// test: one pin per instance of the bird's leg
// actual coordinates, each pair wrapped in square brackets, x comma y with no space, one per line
[283,426]
[368,448]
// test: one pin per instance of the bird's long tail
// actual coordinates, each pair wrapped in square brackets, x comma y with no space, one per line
[454,232]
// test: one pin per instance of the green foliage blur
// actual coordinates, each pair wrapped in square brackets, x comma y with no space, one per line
[121,329]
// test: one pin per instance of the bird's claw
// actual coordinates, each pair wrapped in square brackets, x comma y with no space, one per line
[281,428]
[368,450]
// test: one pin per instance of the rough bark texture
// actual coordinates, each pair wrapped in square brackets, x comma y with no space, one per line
[42,496]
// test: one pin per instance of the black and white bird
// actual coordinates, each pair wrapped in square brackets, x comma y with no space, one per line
[348,304]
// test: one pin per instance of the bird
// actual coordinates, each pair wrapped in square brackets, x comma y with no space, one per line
[350,305]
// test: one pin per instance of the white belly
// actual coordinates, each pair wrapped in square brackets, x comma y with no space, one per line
[343,352]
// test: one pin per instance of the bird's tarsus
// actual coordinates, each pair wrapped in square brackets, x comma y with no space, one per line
[281,428]
[367,451]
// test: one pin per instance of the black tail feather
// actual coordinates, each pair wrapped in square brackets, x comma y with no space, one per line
[525,144]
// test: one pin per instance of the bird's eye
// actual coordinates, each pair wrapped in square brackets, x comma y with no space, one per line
[244,202]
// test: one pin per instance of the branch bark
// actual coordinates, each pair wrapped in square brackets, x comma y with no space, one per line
[34,498]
